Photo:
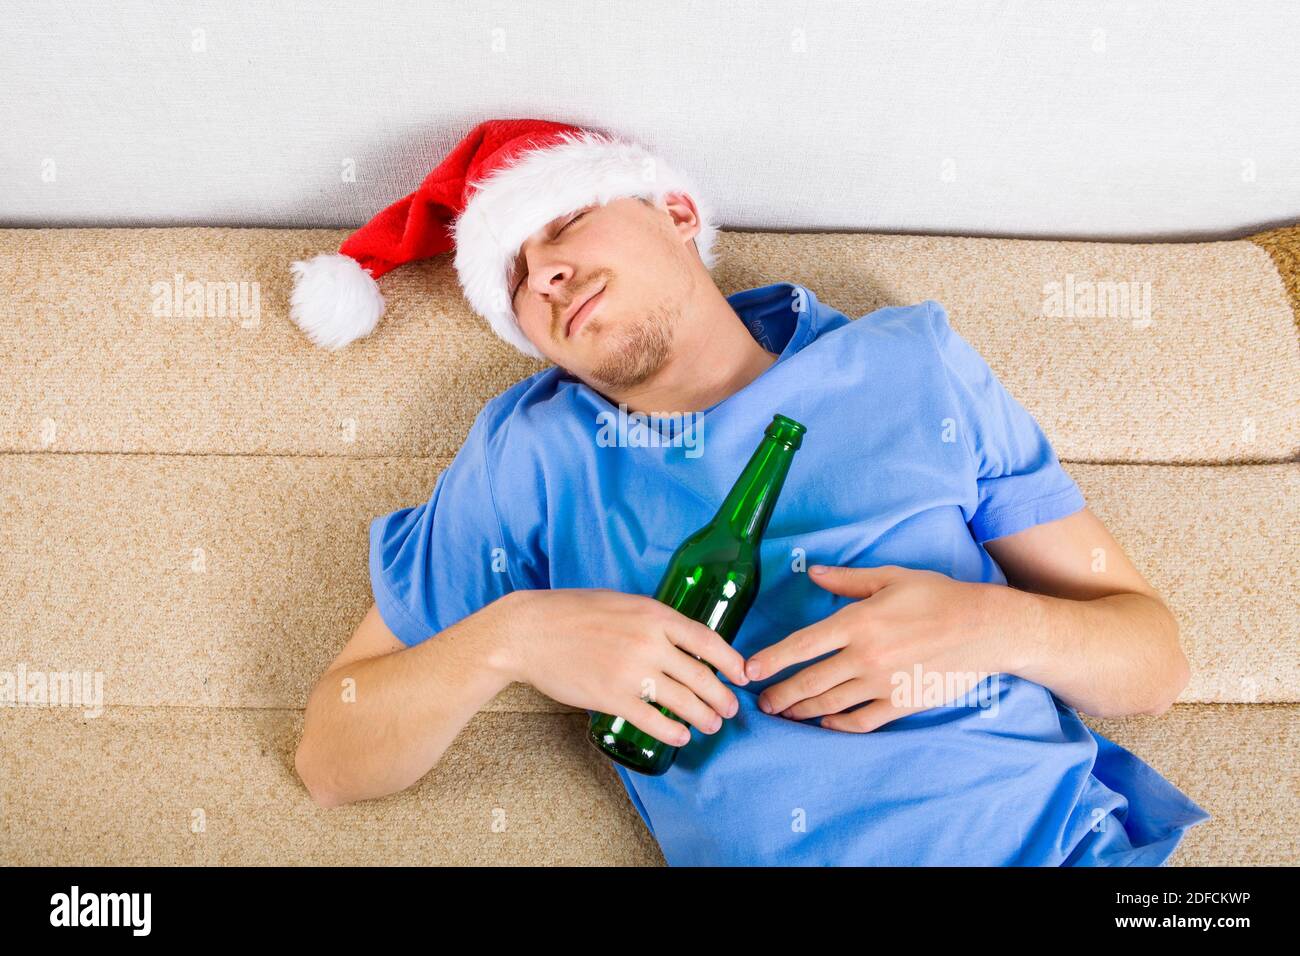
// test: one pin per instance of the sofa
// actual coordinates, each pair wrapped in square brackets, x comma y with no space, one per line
[187,483]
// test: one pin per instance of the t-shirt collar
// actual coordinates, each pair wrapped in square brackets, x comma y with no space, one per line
[781,317]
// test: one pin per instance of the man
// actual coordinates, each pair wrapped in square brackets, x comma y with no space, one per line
[921,484]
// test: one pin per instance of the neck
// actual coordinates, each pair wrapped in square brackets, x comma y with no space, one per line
[714,357]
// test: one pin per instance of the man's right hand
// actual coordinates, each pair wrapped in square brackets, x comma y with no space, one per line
[607,651]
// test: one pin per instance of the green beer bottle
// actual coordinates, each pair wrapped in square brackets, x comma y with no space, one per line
[712,578]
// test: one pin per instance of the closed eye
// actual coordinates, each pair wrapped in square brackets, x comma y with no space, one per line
[518,285]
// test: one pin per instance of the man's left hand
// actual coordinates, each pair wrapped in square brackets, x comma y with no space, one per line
[905,618]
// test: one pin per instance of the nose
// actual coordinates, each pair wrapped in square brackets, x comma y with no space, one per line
[550,276]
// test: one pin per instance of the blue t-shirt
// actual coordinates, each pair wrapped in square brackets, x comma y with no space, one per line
[915,455]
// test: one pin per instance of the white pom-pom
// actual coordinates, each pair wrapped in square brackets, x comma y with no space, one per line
[334,300]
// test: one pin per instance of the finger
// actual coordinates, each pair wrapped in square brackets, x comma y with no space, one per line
[855,582]
[706,644]
[868,717]
[838,698]
[809,682]
[696,676]
[649,719]
[802,645]
[683,702]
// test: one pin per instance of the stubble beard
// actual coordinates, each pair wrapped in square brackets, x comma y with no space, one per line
[641,350]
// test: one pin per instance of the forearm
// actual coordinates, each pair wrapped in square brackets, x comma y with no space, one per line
[1109,657]
[376,726]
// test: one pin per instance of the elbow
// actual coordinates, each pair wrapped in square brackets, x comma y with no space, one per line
[1158,708]
[325,780]
[315,767]
[313,780]
[1173,689]
[1179,674]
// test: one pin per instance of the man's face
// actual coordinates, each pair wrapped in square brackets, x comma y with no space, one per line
[631,263]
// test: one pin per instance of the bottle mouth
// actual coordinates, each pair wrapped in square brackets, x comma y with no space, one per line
[786,430]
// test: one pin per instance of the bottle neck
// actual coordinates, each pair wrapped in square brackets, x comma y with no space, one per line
[749,504]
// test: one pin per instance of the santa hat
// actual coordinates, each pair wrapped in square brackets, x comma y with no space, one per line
[502,183]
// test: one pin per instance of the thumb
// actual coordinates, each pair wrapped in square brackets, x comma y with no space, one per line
[853,582]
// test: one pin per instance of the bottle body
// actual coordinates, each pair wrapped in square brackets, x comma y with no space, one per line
[713,578]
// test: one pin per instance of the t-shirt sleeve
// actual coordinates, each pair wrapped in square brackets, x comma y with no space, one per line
[1020,482]
[433,564]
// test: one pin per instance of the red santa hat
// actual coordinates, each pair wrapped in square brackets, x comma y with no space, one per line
[502,183]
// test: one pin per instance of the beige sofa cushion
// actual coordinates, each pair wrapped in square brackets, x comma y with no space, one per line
[1211,379]
[127,788]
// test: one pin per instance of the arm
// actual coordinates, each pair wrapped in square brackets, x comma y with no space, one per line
[1081,620]
[383,713]
[1087,626]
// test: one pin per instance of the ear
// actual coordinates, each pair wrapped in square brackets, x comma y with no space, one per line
[685,216]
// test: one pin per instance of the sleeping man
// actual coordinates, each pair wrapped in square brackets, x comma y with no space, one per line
[926,531]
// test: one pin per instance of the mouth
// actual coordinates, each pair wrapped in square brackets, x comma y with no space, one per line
[578,312]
